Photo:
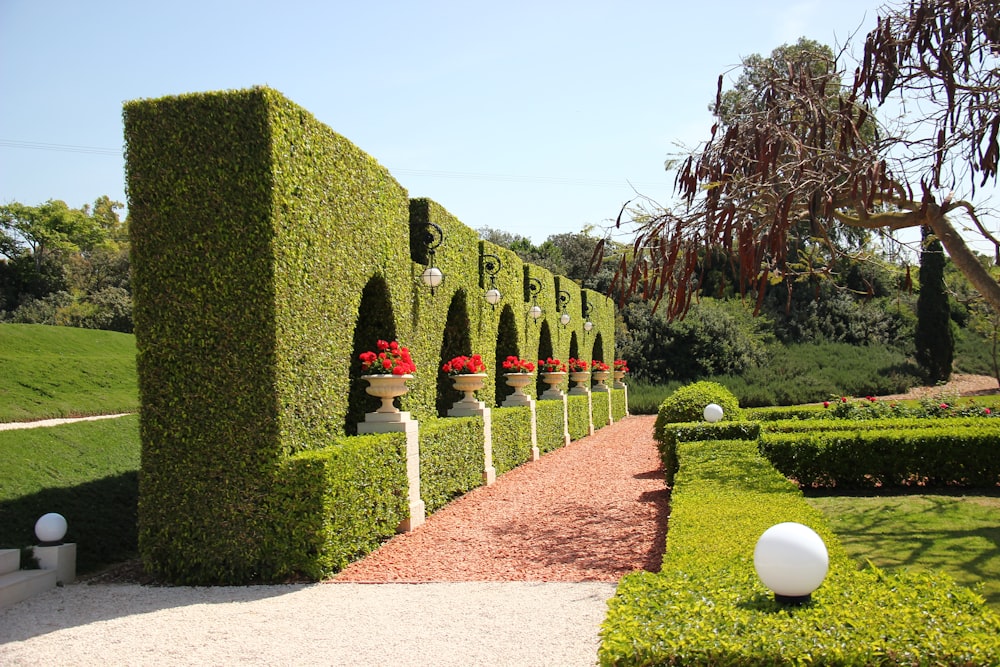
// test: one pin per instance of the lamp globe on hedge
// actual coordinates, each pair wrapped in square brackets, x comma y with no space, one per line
[713,412]
[791,560]
[50,528]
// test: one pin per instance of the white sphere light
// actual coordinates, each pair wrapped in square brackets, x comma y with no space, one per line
[493,296]
[535,312]
[564,319]
[432,276]
[588,325]
[713,412]
[50,528]
[791,560]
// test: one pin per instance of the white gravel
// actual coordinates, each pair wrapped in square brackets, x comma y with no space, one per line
[493,623]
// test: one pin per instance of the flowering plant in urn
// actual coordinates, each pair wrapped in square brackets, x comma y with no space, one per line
[550,365]
[578,365]
[621,365]
[514,364]
[598,366]
[389,359]
[463,365]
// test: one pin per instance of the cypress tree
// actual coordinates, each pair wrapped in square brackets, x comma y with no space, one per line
[935,341]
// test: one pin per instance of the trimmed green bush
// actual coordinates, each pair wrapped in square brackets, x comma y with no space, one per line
[707,607]
[964,456]
[549,425]
[451,459]
[336,504]
[687,404]
[600,409]
[578,411]
[619,407]
[511,438]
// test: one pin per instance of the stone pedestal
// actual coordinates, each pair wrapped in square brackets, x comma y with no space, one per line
[61,558]
[400,422]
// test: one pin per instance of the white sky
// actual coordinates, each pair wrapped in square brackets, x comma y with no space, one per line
[532,117]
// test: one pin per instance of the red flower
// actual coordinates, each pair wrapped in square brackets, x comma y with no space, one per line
[988,411]
[391,359]
[621,365]
[843,399]
[463,365]
[826,404]
[514,364]
[598,365]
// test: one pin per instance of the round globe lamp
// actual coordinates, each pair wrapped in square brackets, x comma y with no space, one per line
[50,528]
[713,412]
[792,561]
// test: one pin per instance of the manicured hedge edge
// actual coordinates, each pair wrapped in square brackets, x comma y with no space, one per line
[511,438]
[707,607]
[619,405]
[600,409]
[336,504]
[451,459]
[549,425]
[964,456]
[578,416]
[667,434]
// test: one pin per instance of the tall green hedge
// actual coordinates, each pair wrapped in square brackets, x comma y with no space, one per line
[549,425]
[266,251]
[511,438]
[451,459]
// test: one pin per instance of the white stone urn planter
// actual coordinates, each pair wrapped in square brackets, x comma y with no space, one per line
[387,388]
[553,379]
[619,376]
[600,377]
[518,381]
[468,384]
[582,380]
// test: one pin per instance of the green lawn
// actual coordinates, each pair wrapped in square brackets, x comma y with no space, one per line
[88,472]
[959,534]
[48,371]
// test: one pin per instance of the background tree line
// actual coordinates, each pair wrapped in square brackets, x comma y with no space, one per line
[65,266]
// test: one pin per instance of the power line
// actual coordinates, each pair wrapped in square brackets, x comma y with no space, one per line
[429,173]
[64,148]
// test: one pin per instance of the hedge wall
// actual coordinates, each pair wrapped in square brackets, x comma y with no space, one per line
[600,409]
[578,411]
[451,459]
[619,405]
[267,253]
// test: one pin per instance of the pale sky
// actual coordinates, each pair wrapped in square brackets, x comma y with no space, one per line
[535,118]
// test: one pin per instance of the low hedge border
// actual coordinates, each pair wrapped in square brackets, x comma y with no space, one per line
[619,404]
[954,455]
[707,607]
[600,410]
[511,438]
[549,425]
[336,504]
[578,415]
[451,459]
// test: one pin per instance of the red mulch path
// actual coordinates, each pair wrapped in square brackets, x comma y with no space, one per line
[594,510]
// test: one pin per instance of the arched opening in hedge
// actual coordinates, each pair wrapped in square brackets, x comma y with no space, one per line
[456,341]
[574,347]
[597,354]
[507,346]
[375,321]
[544,352]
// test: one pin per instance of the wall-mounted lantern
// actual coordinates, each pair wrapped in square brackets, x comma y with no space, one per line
[432,276]
[535,288]
[588,326]
[491,267]
[564,299]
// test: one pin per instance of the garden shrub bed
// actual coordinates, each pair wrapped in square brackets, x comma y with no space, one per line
[619,404]
[578,416]
[889,456]
[707,607]
[600,409]
[550,428]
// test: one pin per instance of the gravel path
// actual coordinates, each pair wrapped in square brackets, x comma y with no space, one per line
[518,574]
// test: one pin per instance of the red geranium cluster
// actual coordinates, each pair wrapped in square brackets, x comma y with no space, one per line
[578,365]
[462,365]
[551,365]
[391,359]
[515,364]
[621,365]
[598,365]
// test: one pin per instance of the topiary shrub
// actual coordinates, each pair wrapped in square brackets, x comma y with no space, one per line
[687,404]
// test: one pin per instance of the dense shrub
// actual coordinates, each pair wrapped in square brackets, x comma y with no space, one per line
[578,415]
[549,425]
[707,607]
[511,438]
[600,409]
[687,404]
[451,459]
